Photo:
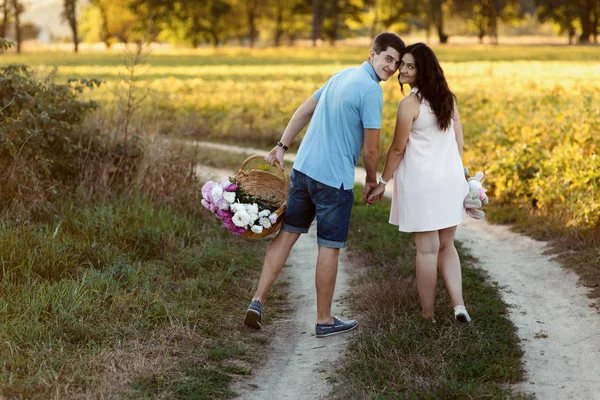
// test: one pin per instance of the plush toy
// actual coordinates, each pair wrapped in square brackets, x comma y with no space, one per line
[476,197]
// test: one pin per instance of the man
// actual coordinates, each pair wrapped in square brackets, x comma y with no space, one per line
[345,116]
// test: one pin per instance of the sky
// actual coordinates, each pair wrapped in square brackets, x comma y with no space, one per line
[46,14]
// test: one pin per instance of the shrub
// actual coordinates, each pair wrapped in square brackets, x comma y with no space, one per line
[38,141]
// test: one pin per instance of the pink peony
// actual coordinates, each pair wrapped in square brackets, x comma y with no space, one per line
[207,190]
[226,217]
[226,184]
[210,206]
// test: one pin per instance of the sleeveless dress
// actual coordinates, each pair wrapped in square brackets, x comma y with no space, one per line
[429,184]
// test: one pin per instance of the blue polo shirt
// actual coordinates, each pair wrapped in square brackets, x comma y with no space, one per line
[349,102]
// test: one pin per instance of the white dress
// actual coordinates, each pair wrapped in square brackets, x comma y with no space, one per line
[429,184]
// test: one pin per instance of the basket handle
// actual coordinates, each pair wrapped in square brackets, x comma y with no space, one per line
[254,157]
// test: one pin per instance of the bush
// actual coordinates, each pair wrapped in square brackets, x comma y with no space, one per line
[38,141]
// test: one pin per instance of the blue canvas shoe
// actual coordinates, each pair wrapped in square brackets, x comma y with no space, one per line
[338,326]
[254,315]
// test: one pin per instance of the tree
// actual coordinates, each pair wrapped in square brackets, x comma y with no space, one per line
[484,15]
[251,10]
[561,12]
[69,15]
[116,21]
[437,19]
[317,6]
[29,31]
[566,12]
[17,11]
[330,18]
[5,18]
[214,24]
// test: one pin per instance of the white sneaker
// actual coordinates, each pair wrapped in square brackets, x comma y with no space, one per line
[461,314]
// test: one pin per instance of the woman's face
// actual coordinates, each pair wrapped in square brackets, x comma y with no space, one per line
[408,70]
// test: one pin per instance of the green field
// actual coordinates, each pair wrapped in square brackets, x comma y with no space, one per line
[528,111]
[120,277]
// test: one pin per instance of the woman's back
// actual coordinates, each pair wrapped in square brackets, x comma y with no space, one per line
[430,183]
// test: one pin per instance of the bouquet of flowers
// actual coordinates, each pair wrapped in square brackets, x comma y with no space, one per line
[239,211]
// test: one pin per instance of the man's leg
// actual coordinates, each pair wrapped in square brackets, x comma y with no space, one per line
[275,259]
[326,274]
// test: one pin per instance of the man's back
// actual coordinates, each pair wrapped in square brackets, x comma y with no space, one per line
[349,102]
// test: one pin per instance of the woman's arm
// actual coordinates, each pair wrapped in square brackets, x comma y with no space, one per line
[458,131]
[408,111]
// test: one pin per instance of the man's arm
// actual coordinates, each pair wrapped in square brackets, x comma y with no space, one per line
[299,120]
[371,159]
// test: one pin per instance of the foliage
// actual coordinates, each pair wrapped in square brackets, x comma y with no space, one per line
[217,22]
[521,134]
[38,119]
[6,44]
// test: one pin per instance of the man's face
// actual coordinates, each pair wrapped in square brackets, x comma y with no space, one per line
[385,63]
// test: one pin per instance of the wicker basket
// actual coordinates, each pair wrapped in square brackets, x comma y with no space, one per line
[270,188]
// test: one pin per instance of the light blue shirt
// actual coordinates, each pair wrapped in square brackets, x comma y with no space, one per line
[349,102]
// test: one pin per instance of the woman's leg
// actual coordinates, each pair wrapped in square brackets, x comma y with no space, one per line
[449,264]
[428,245]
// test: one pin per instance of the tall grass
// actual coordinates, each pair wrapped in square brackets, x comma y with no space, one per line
[399,354]
[122,298]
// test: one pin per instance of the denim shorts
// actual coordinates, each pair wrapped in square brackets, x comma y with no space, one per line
[332,207]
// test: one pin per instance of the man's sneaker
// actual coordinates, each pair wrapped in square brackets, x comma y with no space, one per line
[254,315]
[338,326]
[461,314]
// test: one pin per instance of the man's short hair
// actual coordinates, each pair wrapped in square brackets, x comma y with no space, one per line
[388,39]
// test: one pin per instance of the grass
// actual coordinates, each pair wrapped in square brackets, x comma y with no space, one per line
[397,353]
[123,298]
[128,296]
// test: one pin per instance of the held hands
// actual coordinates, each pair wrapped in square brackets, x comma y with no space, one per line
[369,186]
[376,194]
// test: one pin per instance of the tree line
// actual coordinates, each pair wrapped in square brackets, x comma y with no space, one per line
[218,22]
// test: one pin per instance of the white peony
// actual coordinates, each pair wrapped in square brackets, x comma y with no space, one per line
[265,222]
[229,196]
[252,208]
[264,213]
[235,207]
[257,228]
[253,217]
[241,219]
[273,218]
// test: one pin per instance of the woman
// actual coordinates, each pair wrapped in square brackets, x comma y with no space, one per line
[425,158]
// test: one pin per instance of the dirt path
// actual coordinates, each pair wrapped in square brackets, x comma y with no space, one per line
[299,365]
[560,333]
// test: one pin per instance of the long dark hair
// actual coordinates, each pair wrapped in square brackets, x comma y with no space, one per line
[432,83]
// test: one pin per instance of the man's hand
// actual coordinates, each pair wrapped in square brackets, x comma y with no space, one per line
[376,193]
[369,186]
[275,157]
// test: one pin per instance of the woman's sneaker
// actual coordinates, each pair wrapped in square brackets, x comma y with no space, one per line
[461,314]
[338,326]
[254,315]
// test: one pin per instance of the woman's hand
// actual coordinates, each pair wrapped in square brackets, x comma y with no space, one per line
[376,193]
